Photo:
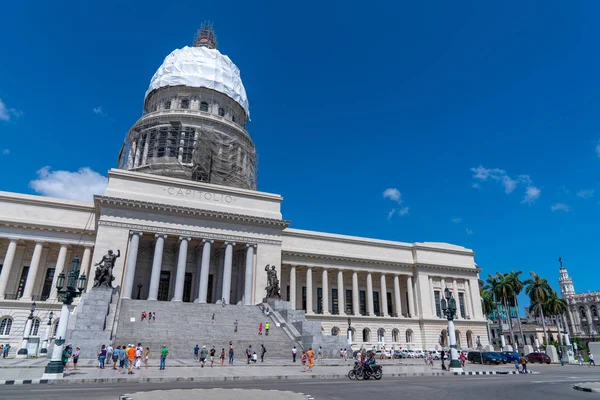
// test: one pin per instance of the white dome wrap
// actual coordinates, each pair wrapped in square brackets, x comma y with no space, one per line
[201,67]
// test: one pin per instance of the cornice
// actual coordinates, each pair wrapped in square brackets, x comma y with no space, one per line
[189,211]
[46,228]
[191,234]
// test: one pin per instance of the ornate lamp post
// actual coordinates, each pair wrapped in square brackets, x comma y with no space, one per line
[449,309]
[501,325]
[74,288]
[22,353]
[350,332]
[44,349]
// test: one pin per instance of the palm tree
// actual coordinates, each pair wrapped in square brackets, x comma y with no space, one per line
[503,289]
[538,289]
[556,307]
[488,305]
[517,286]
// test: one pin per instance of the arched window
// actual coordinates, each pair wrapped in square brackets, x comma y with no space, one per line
[221,112]
[395,334]
[233,118]
[335,331]
[457,333]
[185,104]
[366,335]
[35,327]
[204,106]
[594,312]
[409,336]
[380,335]
[167,105]
[469,339]
[444,338]
[582,312]
[5,326]
[55,329]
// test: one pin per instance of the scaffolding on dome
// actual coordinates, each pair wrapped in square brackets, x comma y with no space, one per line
[197,153]
[205,37]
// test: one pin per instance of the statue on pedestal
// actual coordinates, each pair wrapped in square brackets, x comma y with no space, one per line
[272,282]
[104,276]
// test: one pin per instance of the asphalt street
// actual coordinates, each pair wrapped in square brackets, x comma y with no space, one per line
[553,383]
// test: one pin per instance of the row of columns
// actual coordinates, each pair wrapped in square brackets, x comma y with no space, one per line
[384,310]
[202,268]
[34,267]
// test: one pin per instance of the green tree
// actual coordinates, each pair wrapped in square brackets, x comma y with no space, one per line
[501,286]
[517,286]
[556,307]
[538,289]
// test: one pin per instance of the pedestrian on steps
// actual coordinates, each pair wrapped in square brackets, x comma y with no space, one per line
[196,352]
[235,326]
[260,326]
[294,351]
[222,356]
[263,350]
[203,354]
[212,356]
[249,353]
[231,354]
[267,326]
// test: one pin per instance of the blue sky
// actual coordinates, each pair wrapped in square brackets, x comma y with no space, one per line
[481,120]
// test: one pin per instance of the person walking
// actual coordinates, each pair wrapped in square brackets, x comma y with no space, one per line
[76,357]
[463,358]
[212,320]
[222,357]
[443,358]
[260,327]
[560,358]
[523,364]
[591,358]
[249,353]
[196,352]
[231,354]
[212,356]
[164,352]
[115,357]
[294,352]
[263,350]
[130,359]
[303,359]
[122,358]
[138,356]
[267,326]
[310,355]
[101,357]
[146,357]
[320,355]
[5,350]
[580,358]
[235,326]
[203,354]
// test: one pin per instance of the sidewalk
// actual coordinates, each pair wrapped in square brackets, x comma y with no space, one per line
[189,370]
[588,387]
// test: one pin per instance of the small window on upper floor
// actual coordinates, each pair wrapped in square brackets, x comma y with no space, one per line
[204,106]
[185,104]
[221,112]
[167,105]
[233,118]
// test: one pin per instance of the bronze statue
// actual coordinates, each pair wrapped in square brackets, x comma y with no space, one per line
[272,282]
[560,261]
[104,276]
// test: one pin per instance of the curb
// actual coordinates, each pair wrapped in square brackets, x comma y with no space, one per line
[490,373]
[25,382]
[586,389]
[308,396]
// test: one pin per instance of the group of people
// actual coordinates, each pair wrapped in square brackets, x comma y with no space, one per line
[69,354]
[203,355]
[4,349]
[150,316]
[266,326]
[126,357]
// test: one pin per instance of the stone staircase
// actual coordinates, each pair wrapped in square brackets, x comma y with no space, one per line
[180,326]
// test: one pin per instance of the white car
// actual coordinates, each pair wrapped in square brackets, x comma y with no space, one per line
[419,353]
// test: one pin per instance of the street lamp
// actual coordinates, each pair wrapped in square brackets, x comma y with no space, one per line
[73,289]
[449,309]
[350,332]
[22,353]
[44,349]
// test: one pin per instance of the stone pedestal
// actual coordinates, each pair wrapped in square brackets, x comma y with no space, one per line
[552,353]
[568,354]
[89,322]
[507,348]
[488,347]
[527,349]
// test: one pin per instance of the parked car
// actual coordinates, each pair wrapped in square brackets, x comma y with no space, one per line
[487,357]
[512,356]
[387,354]
[503,357]
[435,354]
[538,357]
[419,353]
[400,354]
[410,353]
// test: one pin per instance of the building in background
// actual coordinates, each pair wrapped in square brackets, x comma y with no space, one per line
[582,317]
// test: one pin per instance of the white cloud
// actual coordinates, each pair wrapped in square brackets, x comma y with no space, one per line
[6,151]
[509,184]
[391,213]
[531,195]
[7,113]
[98,111]
[456,220]
[393,194]
[469,231]
[560,207]
[403,211]
[585,193]
[80,185]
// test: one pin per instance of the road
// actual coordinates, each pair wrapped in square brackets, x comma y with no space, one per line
[551,384]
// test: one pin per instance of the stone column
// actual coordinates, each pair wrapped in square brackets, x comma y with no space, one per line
[22,353]
[383,296]
[341,295]
[225,292]
[203,290]
[411,297]
[85,262]
[458,312]
[309,291]
[181,264]
[370,308]
[33,270]
[397,297]
[468,300]
[432,297]
[134,245]
[8,262]
[60,265]
[293,286]
[156,266]
[355,297]
[198,269]
[239,279]
[325,292]
[249,275]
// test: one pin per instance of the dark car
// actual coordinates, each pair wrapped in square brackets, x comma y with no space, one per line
[538,357]
[487,357]
[503,357]
[512,356]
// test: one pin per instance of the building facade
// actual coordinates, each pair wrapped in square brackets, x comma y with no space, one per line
[183,214]
[583,320]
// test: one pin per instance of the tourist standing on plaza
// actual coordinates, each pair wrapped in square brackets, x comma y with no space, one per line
[523,364]
[463,358]
[122,358]
[263,350]
[101,357]
[164,352]
[320,355]
[115,357]
[267,326]
[109,352]
[203,354]
[65,357]
[146,357]
[443,358]
[591,358]
[130,359]
[138,355]
[249,353]
[196,352]
[231,353]
[69,350]
[303,361]
[6,350]
[212,356]
[76,357]
[222,357]
[310,355]
[294,352]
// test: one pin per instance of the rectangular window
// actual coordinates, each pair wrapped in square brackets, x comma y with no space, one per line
[334,301]
[287,297]
[187,287]
[363,302]
[438,306]
[349,305]
[22,282]
[461,303]
[376,308]
[47,288]
[187,137]
[304,298]
[163,285]
[319,300]
[390,304]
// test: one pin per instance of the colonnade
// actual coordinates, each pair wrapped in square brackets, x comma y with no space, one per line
[35,265]
[203,257]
